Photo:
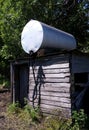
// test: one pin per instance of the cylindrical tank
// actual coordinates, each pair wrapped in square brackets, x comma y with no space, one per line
[36,35]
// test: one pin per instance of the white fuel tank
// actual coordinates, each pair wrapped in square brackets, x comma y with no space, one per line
[36,35]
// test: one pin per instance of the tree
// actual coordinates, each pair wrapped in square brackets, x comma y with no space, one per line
[69,15]
[10,29]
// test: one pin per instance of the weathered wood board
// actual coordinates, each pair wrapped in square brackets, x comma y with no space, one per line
[49,82]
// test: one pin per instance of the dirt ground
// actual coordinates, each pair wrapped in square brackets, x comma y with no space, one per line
[5,100]
[12,123]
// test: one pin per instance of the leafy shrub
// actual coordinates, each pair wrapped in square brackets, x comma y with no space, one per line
[28,111]
[22,118]
[34,112]
[79,121]
[54,123]
[4,83]
[14,108]
[79,118]
[30,117]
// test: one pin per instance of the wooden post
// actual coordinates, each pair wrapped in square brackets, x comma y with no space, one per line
[12,71]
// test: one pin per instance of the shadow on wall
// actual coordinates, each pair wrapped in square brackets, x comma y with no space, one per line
[39,81]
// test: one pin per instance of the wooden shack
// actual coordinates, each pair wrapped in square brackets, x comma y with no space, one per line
[56,83]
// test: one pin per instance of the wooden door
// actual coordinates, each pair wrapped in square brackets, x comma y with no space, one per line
[24,83]
[21,80]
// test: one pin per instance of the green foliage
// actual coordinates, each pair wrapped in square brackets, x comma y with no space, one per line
[66,15]
[70,16]
[17,118]
[34,112]
[14,108]
[26,112]
[4,83]
[27,117]
[10,27]
[54,123]
[79,119]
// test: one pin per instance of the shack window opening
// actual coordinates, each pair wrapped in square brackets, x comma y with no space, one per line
[80,87]
[81,77]
[80,80]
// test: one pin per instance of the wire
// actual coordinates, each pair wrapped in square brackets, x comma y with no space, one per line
[32,55]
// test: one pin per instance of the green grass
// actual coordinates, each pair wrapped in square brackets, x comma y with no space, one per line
[4,83]
[28,118]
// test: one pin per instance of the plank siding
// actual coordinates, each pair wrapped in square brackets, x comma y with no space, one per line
[51,98]
[52,93]
[54,103]
[49,82]
[52,80]
[49,71]
[53,66]
[64,113]
[51,89]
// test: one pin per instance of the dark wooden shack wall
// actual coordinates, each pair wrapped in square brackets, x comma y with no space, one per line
[80,63]
[49,85]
